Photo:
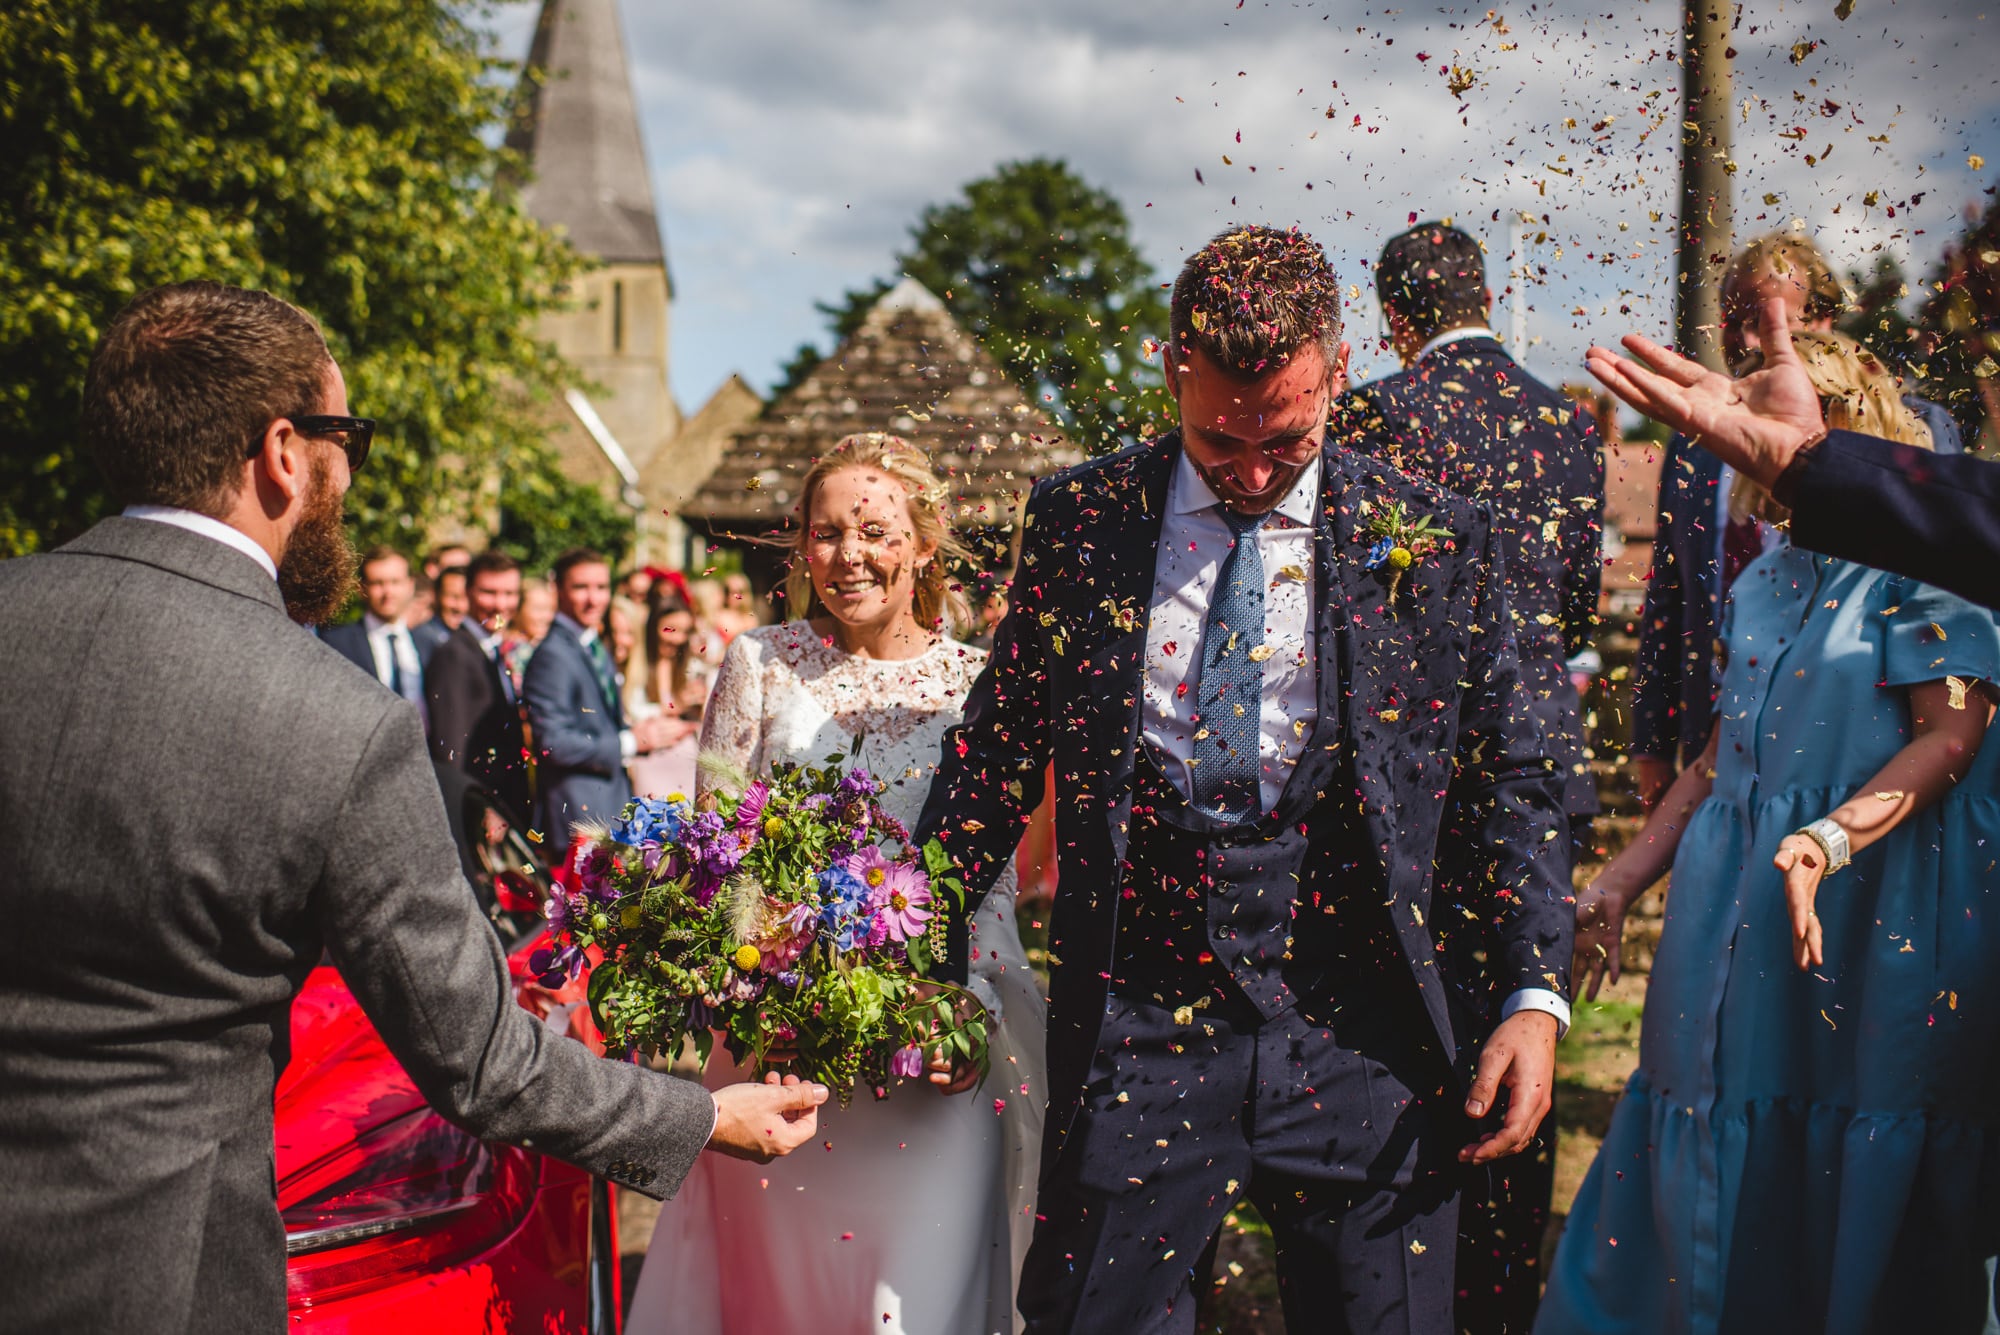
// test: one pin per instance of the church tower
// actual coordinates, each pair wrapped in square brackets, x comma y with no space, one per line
[577,125]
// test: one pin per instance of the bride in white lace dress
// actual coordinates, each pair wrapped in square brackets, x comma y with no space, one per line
[913,1213]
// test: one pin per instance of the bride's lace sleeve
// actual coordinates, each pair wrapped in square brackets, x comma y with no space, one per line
[732,725]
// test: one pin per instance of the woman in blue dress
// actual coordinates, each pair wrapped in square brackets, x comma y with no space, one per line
[1811,1141]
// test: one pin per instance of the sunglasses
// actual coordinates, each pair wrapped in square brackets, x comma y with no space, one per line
[356,435]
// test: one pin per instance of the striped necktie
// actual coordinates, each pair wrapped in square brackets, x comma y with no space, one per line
[1230,695]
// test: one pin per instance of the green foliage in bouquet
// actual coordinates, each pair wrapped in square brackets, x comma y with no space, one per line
[776,917]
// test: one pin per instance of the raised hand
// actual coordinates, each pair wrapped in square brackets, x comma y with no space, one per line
[1600,932]
[1754,424]
[1804,865]
[762,1122]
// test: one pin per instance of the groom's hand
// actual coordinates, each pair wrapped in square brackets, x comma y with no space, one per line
[1521,1057]
[762,1122]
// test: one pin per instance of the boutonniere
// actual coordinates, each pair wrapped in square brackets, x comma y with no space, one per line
[1400,541]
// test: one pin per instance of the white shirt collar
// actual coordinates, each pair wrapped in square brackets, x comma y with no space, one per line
[377,627]
[208,528]
[583,633]
[1458,335]
[1192,494]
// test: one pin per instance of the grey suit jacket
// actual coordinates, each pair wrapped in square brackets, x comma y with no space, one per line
[580,772]
[196,798]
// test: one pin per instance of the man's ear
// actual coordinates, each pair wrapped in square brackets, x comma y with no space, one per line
[1336,374]
[281,469]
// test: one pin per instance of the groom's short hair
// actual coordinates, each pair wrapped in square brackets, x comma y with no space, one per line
[1433,278]
[183,384]
[1255,295]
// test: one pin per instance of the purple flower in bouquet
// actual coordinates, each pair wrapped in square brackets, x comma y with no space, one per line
[908,1062]
[595,865]
[714,850]
[559,912]
[555,966]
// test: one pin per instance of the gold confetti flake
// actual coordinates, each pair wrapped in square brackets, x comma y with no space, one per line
[1297,574]
[1184,1015]
[1896,796]
[1417,1248]
[1390,715]
[1957,689]
[1261,652]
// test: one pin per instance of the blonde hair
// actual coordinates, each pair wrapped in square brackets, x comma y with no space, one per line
[1789,255]
[939,601]
[1857,392]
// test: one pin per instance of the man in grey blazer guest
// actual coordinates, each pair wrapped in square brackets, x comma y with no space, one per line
[204,800]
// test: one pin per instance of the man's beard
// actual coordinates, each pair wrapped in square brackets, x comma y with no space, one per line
[1284,478]
[316,576]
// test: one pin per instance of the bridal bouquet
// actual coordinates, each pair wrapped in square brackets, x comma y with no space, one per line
[777,917]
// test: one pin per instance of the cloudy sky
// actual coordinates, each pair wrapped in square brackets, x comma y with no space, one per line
[793,142]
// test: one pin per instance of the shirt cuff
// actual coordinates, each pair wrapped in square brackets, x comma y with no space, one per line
[714,1119]
[1538,999]
[628,745]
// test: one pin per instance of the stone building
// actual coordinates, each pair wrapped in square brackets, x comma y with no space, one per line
[910,369]
[577,124]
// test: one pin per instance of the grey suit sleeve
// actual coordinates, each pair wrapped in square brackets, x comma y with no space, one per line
[411,944]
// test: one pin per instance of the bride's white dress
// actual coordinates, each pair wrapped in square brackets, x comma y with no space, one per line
[907,1215]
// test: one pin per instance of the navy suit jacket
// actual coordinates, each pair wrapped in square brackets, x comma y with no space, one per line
[351,642]
[580,771]
[1470,419]
[1896,508]
[473,723]
[1423,718]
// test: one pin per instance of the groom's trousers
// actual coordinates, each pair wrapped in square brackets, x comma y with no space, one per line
[1311,1114]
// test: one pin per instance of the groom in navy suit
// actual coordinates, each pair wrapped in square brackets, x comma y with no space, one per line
[1264,691]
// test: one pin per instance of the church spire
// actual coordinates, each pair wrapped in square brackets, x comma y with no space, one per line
[577,124]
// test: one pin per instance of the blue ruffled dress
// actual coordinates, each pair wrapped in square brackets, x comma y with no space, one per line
[1812,1151]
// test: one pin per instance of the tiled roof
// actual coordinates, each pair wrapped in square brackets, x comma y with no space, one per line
[909,369]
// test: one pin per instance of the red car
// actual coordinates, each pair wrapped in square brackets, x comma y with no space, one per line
[397,1220]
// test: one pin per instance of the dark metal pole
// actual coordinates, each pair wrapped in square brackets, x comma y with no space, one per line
[1707,217]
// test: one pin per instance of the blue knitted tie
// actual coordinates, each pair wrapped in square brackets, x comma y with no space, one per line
[1230,695]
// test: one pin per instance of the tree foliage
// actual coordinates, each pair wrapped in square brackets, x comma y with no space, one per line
[336,152]
[1040,267]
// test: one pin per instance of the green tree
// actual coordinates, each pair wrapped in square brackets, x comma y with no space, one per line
[544,513]
[1040,267]
[1876,319]
[340,153]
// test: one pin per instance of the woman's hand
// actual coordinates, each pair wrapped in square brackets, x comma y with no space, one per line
[1804,865]
[1600,932]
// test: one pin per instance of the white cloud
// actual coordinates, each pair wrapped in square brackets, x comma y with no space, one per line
[793,142]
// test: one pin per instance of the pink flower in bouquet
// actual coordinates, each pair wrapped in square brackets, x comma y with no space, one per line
[901,894]
[908,1062]
[790,932]
[750,813]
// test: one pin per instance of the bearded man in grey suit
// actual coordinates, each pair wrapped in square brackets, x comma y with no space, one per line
[205,799]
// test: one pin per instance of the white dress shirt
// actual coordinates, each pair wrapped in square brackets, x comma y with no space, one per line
[208,528]
[393,649]
[1193,541]
[1450,336]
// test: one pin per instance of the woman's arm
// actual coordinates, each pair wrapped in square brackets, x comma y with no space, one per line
[1600,909]
[1945,742]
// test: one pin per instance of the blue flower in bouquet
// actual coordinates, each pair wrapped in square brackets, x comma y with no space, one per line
[849,901]
[650,823]
[1378,553]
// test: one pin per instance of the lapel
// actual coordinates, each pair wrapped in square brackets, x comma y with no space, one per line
[1127,546]
[1353,627]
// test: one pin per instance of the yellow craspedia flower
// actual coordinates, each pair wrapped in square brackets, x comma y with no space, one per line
[628,917]
[773,827]
[677,797]
[746,958]
[1400,558]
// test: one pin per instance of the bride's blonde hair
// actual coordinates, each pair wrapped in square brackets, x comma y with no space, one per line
[1857,393]
[939,601]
